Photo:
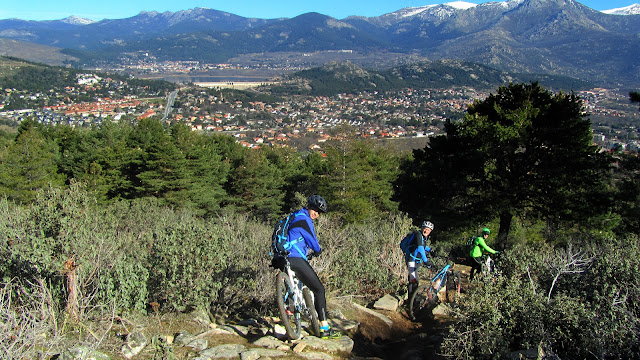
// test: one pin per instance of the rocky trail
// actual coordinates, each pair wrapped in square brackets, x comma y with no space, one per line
[367,334]
[380,330]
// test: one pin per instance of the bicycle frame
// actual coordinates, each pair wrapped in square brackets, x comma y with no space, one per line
[439,279]
[490,267]
[426,296]
[294,301]
[297,289]
[488,264]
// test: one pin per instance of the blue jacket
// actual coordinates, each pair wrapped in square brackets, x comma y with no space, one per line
[418,249]
[303,235]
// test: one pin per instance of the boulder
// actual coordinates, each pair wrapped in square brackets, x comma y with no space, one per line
[387,302]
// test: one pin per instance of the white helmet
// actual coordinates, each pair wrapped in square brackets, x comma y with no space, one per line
[427,224]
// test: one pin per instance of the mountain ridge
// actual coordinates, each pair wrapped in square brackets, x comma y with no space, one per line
[560,37]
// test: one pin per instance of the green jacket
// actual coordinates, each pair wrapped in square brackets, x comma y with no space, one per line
[480,247]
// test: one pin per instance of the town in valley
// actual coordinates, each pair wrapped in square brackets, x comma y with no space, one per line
[203,106]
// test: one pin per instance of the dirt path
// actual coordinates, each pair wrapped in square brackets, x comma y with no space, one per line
[405,339]
[402,340]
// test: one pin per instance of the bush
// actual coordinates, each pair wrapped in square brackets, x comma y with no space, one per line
[562,300]
[28,326]
[360,254]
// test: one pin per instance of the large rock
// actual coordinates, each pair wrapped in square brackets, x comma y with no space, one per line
[255,354]
[441,309]
[183,338]
[387,302]
[344,325]
[271,342]
[315,356]
[342,344]
[374,313]
[136,341]
[223,351]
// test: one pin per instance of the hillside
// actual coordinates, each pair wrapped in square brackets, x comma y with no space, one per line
[347,77]
[34,52]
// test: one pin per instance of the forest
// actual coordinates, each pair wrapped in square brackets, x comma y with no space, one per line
[112,219]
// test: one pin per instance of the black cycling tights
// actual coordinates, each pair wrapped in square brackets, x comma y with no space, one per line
[308,276]
[476,267]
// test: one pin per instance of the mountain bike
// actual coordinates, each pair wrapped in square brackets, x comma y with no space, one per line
[490,268]
[425,298]
[295,301]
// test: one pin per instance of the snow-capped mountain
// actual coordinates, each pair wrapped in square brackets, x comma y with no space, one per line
[559,36]
[75,20]
[628,10]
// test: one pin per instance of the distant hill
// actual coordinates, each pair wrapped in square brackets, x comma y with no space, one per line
[74,34]
[561,37]
[346,77]
[34,52]
[24,75]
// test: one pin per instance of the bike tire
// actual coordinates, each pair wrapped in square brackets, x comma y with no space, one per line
[421,302]
[289,315]
[454,286]
[313,314]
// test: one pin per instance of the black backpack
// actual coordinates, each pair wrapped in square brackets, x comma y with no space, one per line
[471,243]
[280,243]
[405,243]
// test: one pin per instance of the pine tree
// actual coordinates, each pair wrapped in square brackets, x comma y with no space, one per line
[28,164]
[521,150]
[634,97]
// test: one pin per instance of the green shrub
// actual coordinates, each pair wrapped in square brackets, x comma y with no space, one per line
[562,300]
[185,257]
[360,254]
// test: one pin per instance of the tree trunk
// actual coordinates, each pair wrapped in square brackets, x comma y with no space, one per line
[70,268]
[505,227]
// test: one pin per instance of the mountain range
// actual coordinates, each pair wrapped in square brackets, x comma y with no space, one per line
[560,37]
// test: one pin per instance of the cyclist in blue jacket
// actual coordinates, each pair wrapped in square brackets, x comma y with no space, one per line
[302,234]
[417,254]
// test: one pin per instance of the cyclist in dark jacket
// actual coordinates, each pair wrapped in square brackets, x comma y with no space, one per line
[417,254]
[303,236]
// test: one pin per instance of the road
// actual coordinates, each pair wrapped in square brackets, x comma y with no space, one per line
[169,107]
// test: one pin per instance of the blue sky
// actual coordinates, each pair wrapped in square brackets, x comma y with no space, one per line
[118,9]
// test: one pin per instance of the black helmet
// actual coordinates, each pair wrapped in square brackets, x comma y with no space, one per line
[318,203]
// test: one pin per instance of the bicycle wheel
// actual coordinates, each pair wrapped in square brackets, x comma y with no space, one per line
[454,286]
[313,315]
[289,315]
[422,302]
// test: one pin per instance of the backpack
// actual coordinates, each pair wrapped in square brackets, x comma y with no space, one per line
[280,243]
[471,243]
[405,243]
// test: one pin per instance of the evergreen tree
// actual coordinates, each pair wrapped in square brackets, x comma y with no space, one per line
[523,150]
[634,96]
[359,179]
[108,170]
[206,171]
[297,178]
[158,166]
[256,186]
[28,164]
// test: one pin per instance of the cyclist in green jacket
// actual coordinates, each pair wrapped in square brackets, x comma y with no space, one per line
[477,252]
